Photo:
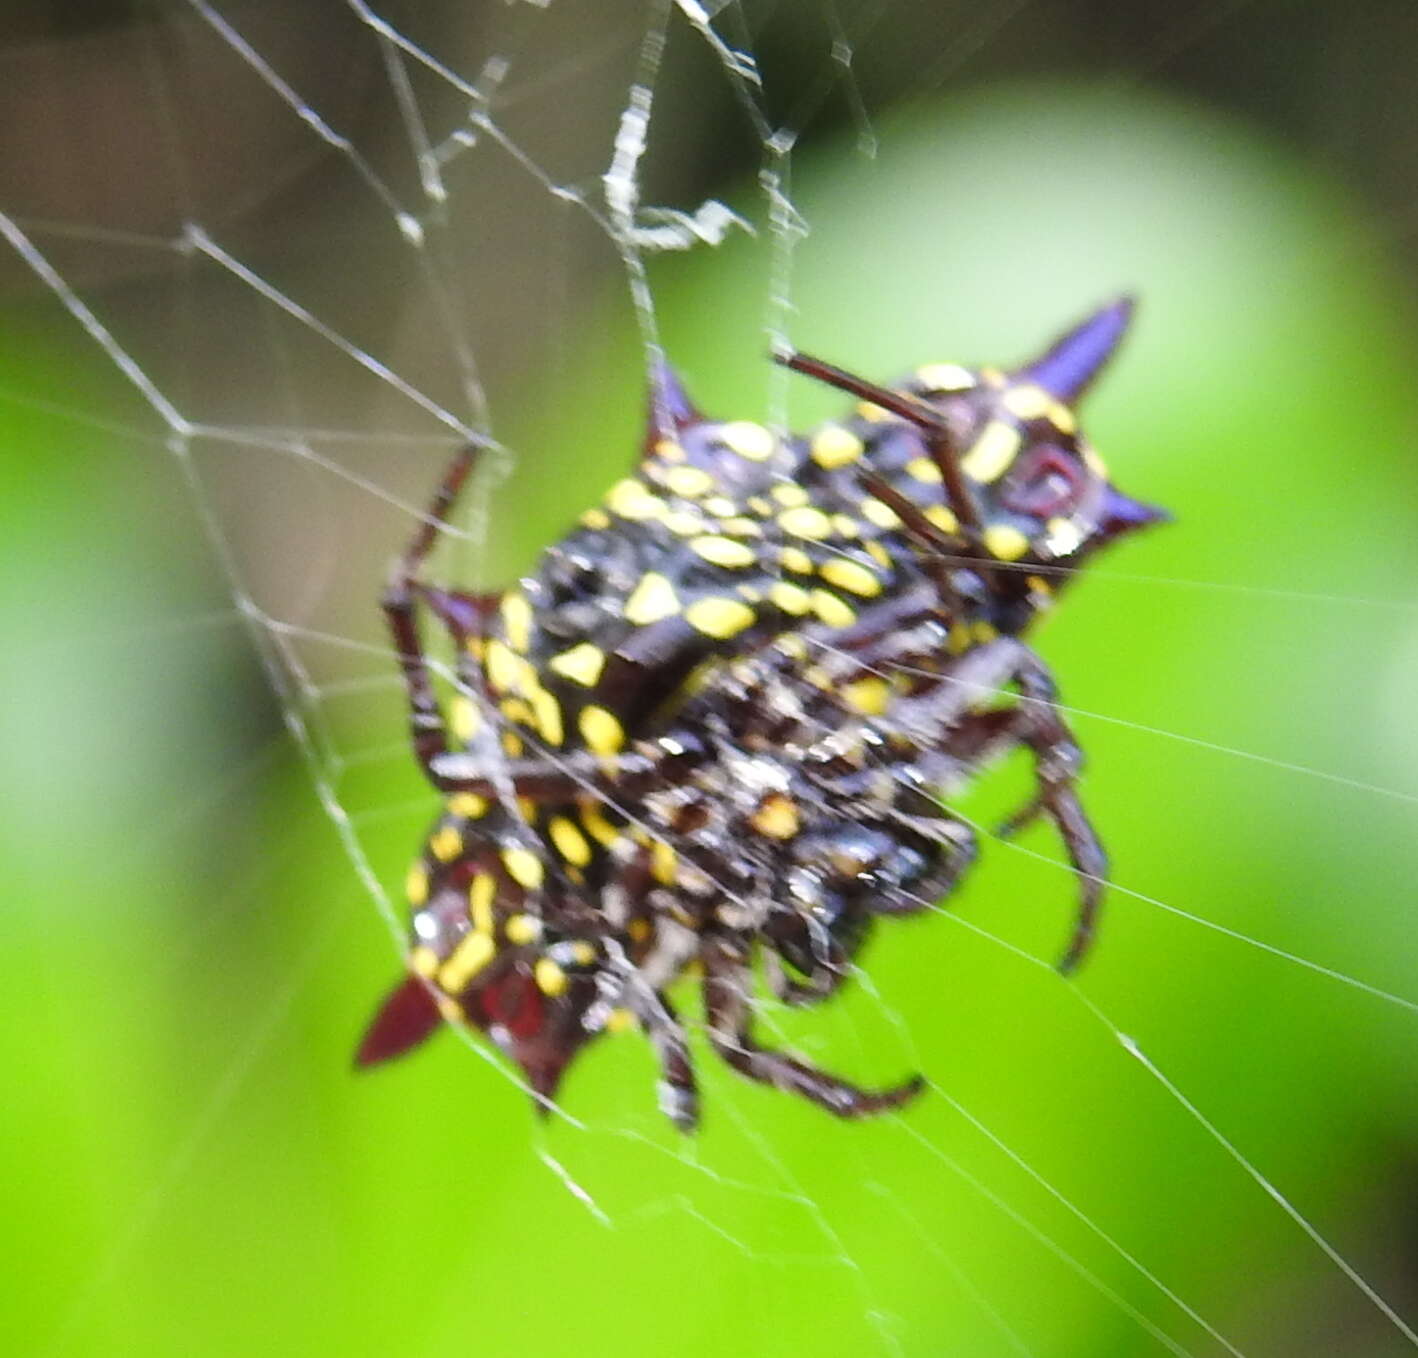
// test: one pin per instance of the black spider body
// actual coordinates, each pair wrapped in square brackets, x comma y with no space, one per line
[717,722]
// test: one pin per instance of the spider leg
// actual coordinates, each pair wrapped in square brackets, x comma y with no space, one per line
[679,1095]
[974,736]
[430,737]
[726,1002]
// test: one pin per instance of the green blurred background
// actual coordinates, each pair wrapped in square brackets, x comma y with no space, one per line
[195,680]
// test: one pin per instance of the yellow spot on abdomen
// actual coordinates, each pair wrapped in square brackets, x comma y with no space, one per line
[777,817]
[992,452]
[833,446]
[416,884]
[831,609]
[792,599]
[466,718]
[524,867]
[867,696]
[471,955]
[662,863]
[1004,542]
[723,552]
[851,576]
[882,515]
[550,978]
[945,377]
[482,891]
[523,929]
[631,499]
[444,843]
[569,841]
[750,441]
[653,598]
[719,618]
[581,664]
[805,522]
[467,805]
[690,482]
[517,620]
[923,469]
[601,731]
[796,560]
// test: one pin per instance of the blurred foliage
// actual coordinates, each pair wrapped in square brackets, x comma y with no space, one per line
[190,954]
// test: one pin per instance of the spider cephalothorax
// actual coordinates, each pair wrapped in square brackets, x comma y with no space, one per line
[715,726]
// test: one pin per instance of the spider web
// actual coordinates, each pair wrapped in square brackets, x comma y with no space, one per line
[308,252]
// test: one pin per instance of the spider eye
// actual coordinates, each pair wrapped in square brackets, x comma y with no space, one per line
[1046,484]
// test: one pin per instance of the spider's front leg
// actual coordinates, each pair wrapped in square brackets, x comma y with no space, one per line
[400,603]
[973,736]
[727,978]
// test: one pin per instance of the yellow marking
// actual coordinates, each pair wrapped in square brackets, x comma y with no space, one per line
[882,515]
[868,696]
[669,450]
[466,718]
[790,598]
[992,377]
[923,469]
[581,664]
[945,377]
[723,552]
[845,526]
[1094,463]
[793,646]
[631,499]
[942,518]
[517,620]
[805,522]
[467,805]
[528,810]
[684,523]
[1064,536]
[654,598]
[662,863]
[515,710]
[1062,418]
[833,446]
[742,528]
[958,639]
[831,609]
[1027,401]
[872,413]
[879,554]
[451,1010]
[750,592]
[583,953]
[513,745]
[817,677]
[524,867]
[550,978]
[777,817]
[547,711]
[796,560]
[620,1021]
[596,518]
[505,671]
[722,507]
[416,884]
[851,576]
[599,828]
[691,482]
[569,841]
[601,730]
[719,618]
[639,930]
[984,631]
[475,647]
[750,441]
[471,955]
[1004,543]
[445,843]
[789,495]
[423,961]
[759,505]
[481,893]
[992,453]
[523,929]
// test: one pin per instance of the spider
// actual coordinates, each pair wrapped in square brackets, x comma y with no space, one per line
[715,727]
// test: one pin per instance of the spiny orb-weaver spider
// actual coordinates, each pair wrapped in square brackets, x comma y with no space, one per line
[716,725]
